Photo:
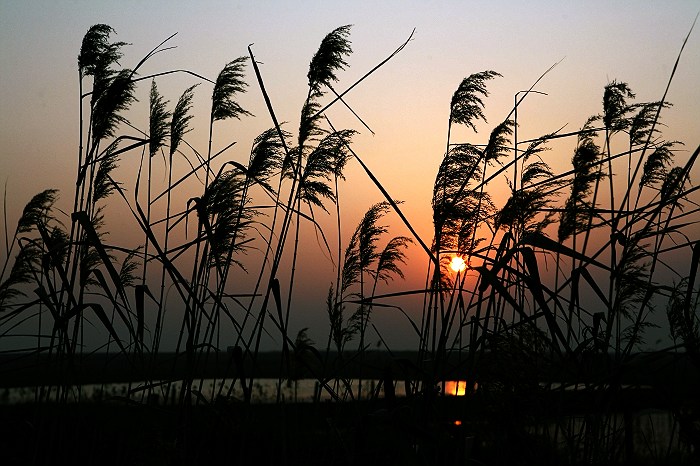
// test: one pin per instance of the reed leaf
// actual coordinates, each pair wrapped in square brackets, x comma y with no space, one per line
[583,272]
[139,295]
[539,240]
[107,323]
[534,283]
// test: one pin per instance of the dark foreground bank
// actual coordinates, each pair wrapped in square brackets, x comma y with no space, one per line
[492,427]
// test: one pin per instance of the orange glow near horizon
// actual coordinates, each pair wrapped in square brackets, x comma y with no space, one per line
[458,264]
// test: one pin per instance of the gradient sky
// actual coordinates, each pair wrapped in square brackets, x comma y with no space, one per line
[406,102]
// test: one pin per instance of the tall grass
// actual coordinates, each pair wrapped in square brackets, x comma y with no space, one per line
[531,316]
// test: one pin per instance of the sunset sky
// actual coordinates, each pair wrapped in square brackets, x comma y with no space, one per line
[406,102]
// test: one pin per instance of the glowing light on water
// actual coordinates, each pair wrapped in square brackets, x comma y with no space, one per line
[456,387]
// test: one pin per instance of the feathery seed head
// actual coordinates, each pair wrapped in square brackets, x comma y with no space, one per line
[158,121]
[179,125]
[615,108]
[97,54]
[229,83]
[329,58]
[466,105]
[116,98]
[266,155]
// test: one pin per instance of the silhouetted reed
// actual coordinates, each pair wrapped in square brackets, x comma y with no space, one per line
[532,324]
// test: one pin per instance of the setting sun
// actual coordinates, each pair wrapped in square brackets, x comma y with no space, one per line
[458,264]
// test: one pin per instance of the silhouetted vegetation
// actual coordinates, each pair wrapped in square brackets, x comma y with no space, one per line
[545,324]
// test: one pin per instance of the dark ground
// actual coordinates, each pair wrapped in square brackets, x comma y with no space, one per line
[495,424]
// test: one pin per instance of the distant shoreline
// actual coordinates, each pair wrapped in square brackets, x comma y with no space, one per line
[23,370]
[672,371]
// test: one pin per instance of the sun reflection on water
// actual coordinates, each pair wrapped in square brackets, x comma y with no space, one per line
[456,387]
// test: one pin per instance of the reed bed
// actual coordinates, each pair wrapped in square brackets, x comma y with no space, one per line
[543,319]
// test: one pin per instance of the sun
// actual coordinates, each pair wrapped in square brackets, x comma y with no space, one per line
[458,264]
